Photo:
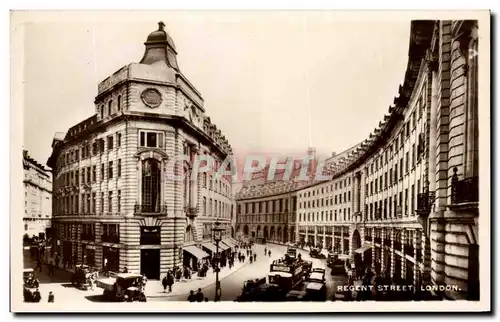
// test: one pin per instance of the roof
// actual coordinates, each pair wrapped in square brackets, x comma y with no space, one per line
[128,275]
[314,286]
[281,274]
[316,275]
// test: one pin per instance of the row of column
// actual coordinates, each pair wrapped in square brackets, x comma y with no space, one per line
[419,245]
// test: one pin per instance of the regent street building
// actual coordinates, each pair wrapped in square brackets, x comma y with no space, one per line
[113,205]
[405,201]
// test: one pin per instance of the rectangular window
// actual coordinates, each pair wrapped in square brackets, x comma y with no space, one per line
[110,170]
[414,154]
[407,162]
[87,210]
[401,168]
[406,202]
[376,185]
[102,171]
[119,169]
[101,145]
[119,201]
[110,201]
[94,173]
[118,140]
[151,139]
[110,143]
[102,201]
[412,200]
[77,177]
[94,201]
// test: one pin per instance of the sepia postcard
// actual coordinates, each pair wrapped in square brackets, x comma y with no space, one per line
[250,161]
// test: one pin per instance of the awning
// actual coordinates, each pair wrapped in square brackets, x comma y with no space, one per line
[196,252]
[234,241]
[210,246]
[363,249]
[224,246]
[229,242]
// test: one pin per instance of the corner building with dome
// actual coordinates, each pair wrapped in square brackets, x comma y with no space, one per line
[114,205]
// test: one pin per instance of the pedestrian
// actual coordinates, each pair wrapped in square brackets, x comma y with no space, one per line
[199,296]
[265,250]
[254,257]
[164,282]
[191,297]
[91,282]
[170,280]
[51,297]
[39,265]
[269,253]
[37,297]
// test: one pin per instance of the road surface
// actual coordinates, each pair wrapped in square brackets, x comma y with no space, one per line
[232,285]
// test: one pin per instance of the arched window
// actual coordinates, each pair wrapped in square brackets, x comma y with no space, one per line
[151,185]
[119,103]
[110,107]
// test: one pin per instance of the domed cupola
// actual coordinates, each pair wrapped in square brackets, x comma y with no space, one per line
[160,48]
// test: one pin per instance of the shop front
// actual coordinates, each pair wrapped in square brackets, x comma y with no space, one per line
[193,257]
[110,259]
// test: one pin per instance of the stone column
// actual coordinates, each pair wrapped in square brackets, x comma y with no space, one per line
[342,240]
[373,250]
[472,142]
[382,251]
[416,269]
[403,256]
[393,260]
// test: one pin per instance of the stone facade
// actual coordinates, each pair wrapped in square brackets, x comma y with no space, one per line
[405,200]
[37,198]
[117,202]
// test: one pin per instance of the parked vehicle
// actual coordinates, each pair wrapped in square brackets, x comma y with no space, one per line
[29,278]
[296,296]
[316,286]
[250,285]
[81,277]
[263,293]
[316,253]
[124,287]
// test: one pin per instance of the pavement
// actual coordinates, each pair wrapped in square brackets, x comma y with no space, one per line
[232,280]
[231,285]
[154,288]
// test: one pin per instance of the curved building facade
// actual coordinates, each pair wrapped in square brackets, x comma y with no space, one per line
[116,202]
[405,200]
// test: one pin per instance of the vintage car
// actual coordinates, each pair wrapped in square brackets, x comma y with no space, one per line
[307,267]
[316,253]
[29,278]
[123,287]
[81,277]
[316,287]
[263,293]
[296,296]
[318,270]
[251,284]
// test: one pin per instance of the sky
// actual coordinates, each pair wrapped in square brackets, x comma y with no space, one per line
[273,82]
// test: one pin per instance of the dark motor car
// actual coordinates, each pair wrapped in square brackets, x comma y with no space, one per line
[316,253]
[263,293]
[316,287]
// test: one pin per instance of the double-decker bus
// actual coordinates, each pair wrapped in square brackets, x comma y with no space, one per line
[287,275]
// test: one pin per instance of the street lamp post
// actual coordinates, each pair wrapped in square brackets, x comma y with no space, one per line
[217,231]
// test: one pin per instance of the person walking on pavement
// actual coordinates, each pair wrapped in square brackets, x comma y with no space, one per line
[39,265]
[269,253]
[199,296]
[254,257]
[37,297]
[164,283]
[170,280]
[51,297]
[265,250]
[191,297]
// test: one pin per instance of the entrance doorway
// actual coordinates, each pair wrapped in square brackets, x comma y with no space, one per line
[150,263]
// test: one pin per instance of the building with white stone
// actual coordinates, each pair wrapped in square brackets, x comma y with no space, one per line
[116,204]
[37,199]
